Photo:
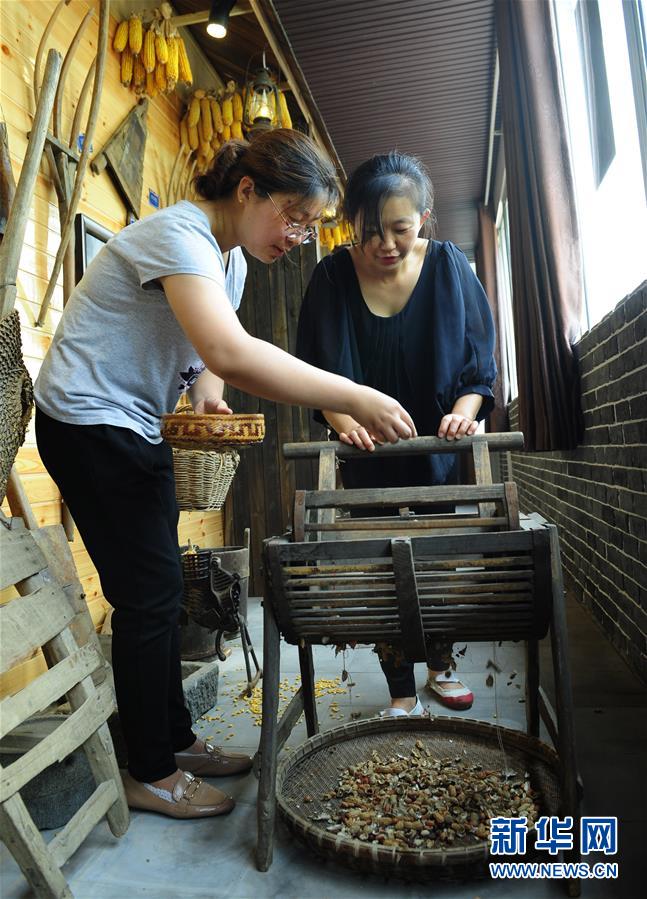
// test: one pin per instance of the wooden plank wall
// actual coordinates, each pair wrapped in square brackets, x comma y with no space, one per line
[263,490]
[21,26]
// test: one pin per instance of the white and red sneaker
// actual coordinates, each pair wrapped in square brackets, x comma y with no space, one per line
[450,691]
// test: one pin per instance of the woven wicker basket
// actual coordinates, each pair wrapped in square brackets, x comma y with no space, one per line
[16,396]
[313,769]
[192,431]
[203,479]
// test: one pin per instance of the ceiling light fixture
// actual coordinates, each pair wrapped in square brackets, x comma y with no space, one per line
[219,17]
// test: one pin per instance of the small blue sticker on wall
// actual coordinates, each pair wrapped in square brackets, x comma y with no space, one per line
[153,199]
[79,143]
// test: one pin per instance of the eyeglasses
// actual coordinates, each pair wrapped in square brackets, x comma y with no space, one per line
[301,233]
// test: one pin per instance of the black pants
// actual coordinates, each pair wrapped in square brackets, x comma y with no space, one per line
[400,675]
[121,493]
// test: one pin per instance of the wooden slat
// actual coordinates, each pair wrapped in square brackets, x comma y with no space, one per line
[383,612]
[512,503]
[440,565]
[371,607]
[30,621]
[401,496]
[408,603]
[80,725]
[442,607]
[326,482]
[379,548]
[415,446]
[30,851]
[19,556]
[289,718]
[424,577]
[400,526]
[391,590]
[298,515]
[46,689]
[68,840]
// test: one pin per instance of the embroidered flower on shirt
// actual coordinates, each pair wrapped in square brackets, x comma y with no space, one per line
[190,376]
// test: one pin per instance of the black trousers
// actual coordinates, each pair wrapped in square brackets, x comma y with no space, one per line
[400,675]
[120,490]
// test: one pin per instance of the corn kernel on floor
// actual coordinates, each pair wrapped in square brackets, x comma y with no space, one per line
[163,858]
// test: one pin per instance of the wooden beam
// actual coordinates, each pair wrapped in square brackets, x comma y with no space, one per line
[412,447]
[195,18]
[278,40]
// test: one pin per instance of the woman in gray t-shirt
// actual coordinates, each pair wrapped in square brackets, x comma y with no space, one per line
[153,316]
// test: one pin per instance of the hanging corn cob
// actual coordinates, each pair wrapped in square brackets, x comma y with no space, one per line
[237,107]
[227,103]
[126,67]
[203,143]
[227,111]
[148,50]
[121,37]
[184,133]
[135,34]
[161,47]
[184,68]
[216,115]
[139,76]
[172,64]
[286,120]
[205,118]
[151,86]
[160,77]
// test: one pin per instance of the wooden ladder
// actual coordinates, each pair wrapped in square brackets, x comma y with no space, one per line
[43,616]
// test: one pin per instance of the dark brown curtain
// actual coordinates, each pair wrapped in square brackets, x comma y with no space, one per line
[486,273]
[544,239]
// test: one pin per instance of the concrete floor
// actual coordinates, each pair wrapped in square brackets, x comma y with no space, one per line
[166,859]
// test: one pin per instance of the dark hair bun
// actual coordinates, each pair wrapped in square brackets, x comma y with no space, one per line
[278,161]
[221,177]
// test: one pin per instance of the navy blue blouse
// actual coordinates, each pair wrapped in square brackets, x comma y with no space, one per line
[438,347]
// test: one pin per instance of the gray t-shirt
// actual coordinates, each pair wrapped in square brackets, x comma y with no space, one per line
[119,355]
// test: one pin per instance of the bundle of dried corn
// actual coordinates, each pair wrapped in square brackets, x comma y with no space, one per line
[211,119]
[335,232]
[153,54]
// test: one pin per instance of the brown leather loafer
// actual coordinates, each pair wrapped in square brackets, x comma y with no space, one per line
[191,798]
[213,762]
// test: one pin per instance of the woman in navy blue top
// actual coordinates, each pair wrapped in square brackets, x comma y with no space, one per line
[405,315]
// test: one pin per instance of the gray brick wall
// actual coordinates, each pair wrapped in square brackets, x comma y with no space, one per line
[597,494]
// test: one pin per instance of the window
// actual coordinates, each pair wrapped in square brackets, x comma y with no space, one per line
[504,287]
[637,45]
[600,58]
[596,86]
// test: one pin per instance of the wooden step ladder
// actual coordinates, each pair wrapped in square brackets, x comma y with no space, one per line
[43,616]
